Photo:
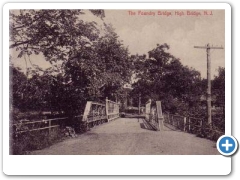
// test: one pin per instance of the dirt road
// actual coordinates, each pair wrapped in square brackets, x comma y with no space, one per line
[128,136]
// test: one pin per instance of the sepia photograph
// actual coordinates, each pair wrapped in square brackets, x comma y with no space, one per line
[116,81]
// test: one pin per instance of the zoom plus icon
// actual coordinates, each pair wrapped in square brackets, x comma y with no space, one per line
[227,145]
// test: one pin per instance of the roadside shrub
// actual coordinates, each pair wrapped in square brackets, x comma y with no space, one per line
[210,133]
[77,124]
[21,144]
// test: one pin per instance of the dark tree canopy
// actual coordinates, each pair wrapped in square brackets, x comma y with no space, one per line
[84,61]
[58,34]
[218,88]
[163,77]
[91,63]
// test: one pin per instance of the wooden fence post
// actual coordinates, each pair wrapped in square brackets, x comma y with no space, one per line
[159,116]
[168,118]
[49,124]
[107,109]
[201,124]
[184,123]
[189,125]
[118,107]
[178,123]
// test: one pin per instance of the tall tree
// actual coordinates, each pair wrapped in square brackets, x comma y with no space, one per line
[92,66]
[163,77]
[57,34]
[113,62]
[219,87]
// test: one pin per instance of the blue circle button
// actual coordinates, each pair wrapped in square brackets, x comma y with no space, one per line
[227,145]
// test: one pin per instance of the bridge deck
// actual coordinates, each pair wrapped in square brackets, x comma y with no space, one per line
[131,136]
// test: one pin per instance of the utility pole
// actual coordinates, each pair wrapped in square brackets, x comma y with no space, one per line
[209,98]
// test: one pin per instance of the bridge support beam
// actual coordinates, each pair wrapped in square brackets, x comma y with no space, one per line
[160,116]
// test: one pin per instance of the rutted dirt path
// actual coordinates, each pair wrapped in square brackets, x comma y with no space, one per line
[127,136]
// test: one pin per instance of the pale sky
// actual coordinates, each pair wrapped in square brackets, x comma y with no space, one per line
[141,33]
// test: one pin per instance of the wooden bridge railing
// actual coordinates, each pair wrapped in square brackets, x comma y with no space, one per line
[154,115]
[97,113]
[94,114]
[112,109]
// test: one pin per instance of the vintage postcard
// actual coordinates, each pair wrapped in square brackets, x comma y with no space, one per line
[101,79]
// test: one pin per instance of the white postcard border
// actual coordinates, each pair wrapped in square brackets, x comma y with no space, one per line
[111,164]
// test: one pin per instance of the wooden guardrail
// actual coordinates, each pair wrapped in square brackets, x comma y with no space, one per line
[37,125]
[95,113]
[153,115]
[188,124]
[98,113]
[112,109]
